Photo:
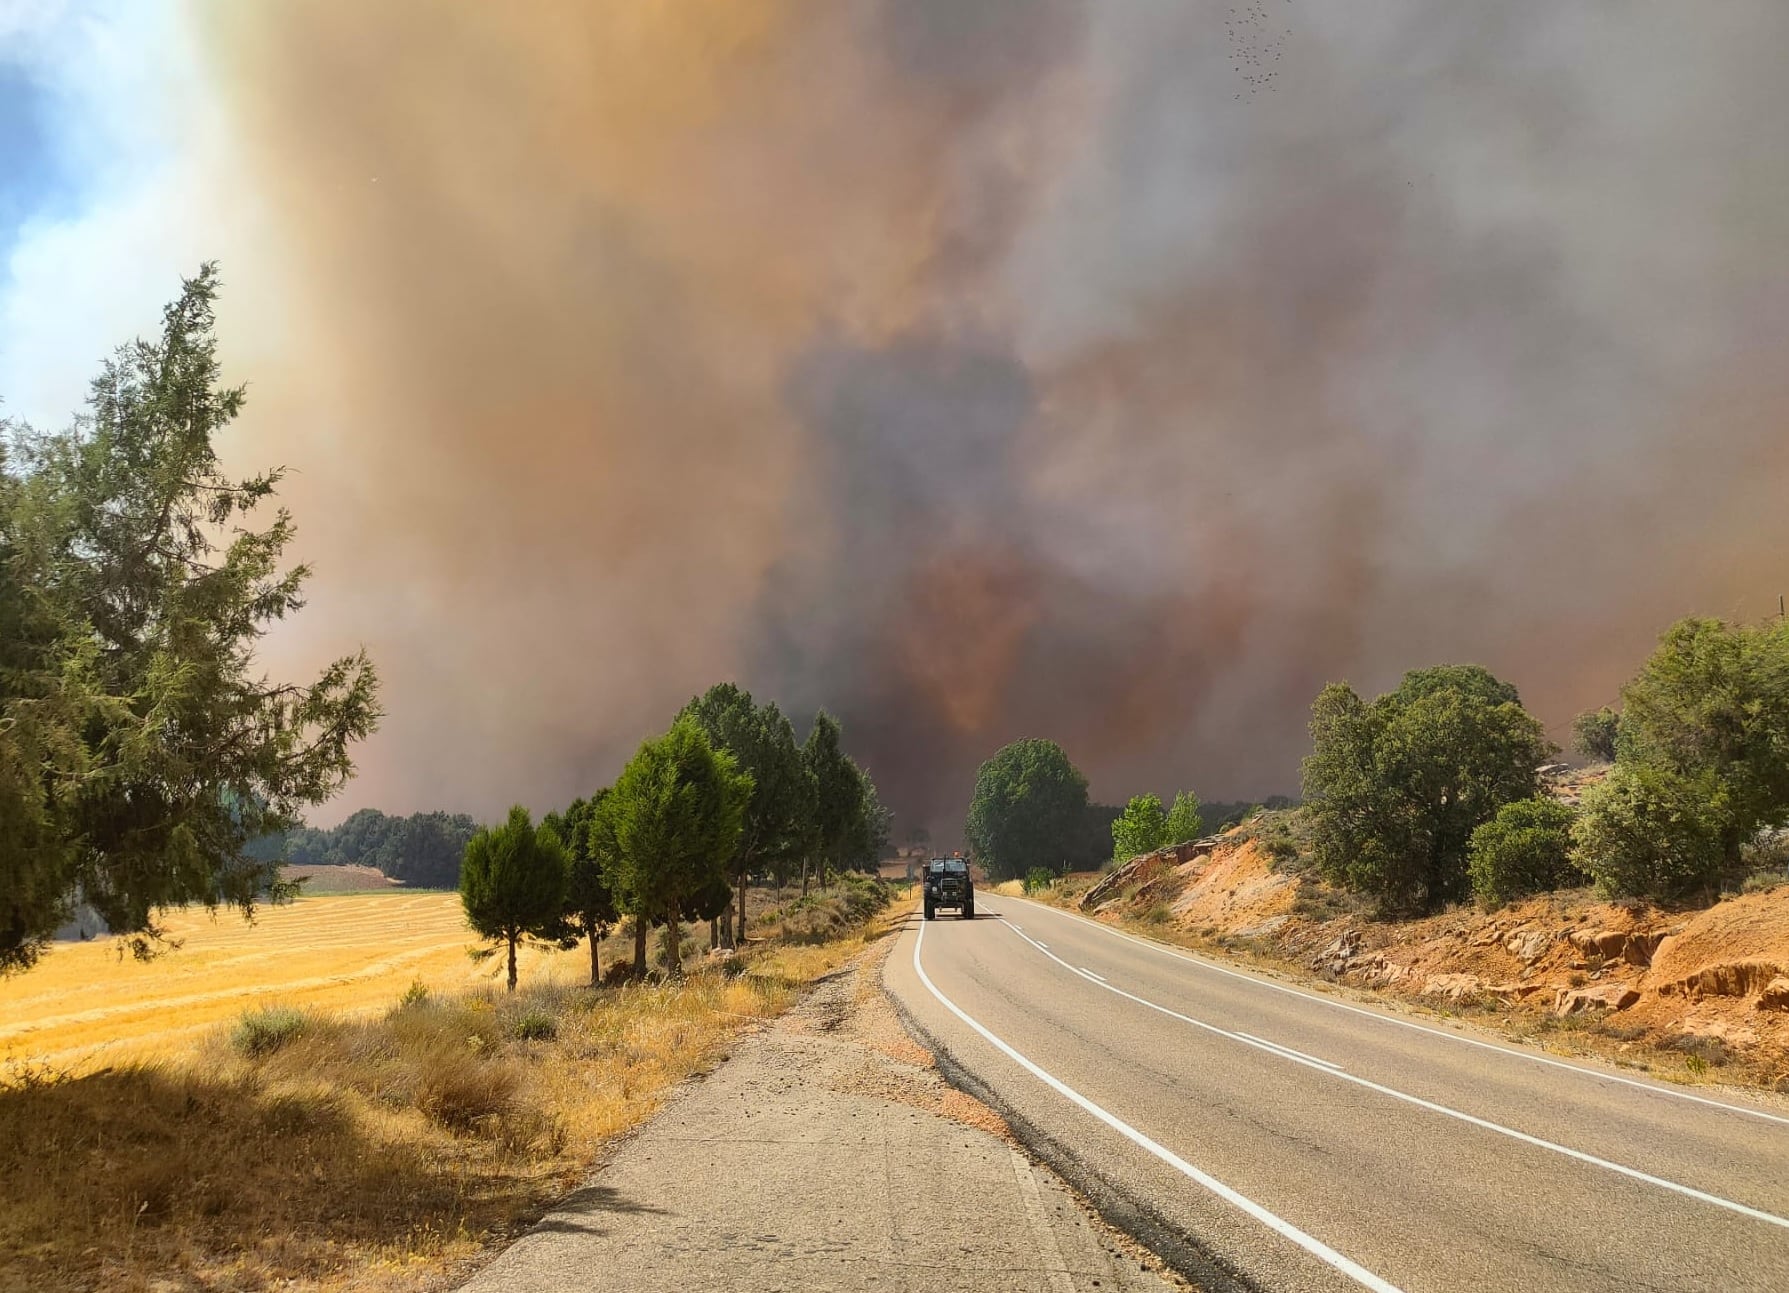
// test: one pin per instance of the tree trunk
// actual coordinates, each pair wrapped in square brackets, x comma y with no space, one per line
[640,924]
[673,945]
[804,877]
[595,969]
[714,932]
[512,960]
[738,940]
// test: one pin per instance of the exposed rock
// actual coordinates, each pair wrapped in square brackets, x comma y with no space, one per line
[1452,986]
[1262,928]
[1144,868]
[1528,945]
[1635,947]
[1605,996]
[1728,979]
[1335,956]
[1377,972]
[1775,995]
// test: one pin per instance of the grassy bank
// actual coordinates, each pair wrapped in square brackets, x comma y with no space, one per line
[301,1147]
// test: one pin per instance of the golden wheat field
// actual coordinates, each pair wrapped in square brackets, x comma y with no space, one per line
[84,1006]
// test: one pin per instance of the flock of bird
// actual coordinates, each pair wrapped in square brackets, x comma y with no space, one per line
[1256,47]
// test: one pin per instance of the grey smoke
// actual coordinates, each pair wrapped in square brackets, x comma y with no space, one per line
[990,370]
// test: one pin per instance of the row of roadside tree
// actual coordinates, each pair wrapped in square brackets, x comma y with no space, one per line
[1433,793]
[722,796]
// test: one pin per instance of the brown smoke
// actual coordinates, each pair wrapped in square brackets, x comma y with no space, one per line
[988,369]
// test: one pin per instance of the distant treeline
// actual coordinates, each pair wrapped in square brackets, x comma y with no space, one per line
[422,850]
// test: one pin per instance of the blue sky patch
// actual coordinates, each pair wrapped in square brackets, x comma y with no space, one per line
[32,178]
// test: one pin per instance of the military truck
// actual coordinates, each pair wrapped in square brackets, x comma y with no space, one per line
[949,884]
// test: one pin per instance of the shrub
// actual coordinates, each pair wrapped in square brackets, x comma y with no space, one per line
[536,1026]
[416,994]
[1594,733]
[1524,849]
[863,896]
[1646,832]
[261,1032]
[1038,879]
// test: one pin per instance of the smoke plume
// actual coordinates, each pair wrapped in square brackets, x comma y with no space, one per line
[980,369]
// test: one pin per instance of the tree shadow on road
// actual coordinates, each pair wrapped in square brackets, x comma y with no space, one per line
[575,1214]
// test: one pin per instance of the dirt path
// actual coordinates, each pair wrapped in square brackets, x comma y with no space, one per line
[828,1153]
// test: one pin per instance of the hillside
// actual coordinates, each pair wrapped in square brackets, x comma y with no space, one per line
[1689,994]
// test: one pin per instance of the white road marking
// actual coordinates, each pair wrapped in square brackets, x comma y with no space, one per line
[1097,978]
[1303,1055]
[1334,1071]
[1547,1060]
[1316,1247]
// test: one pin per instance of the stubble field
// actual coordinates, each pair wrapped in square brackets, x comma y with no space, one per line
[84,1007]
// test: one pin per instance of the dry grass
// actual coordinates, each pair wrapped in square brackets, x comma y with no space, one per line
[365,1148]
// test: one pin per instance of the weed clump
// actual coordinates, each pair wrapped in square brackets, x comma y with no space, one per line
[259,1033]
[536,1026]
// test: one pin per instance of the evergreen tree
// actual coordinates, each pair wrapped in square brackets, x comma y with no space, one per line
[674,817]
[512,883]
[133,593]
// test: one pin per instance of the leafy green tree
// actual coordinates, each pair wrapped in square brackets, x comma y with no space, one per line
[777,821]
[1711,708]
[1647,831]
[837,794]
[1524,849]
[157,749]
[1595,732]
[1141,828]
[1029,809]
[674,816]
[1184,823]
[512,883]
[590,911]
[1394,789]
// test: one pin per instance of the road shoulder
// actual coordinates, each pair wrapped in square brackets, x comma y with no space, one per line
[827,1153]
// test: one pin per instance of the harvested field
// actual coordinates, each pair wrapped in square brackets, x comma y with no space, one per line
[86,1005]
[374,1136]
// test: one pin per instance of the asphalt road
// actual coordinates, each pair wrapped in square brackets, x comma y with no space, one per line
[1269,1137]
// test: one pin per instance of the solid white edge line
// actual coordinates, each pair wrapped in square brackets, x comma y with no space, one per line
[1324,1067]
[1180,954]
[1316,1247]
[1090,974]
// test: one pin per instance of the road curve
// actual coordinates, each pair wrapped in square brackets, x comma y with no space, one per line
[1278,1139]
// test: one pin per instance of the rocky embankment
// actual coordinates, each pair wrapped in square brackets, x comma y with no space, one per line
[1682,992]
